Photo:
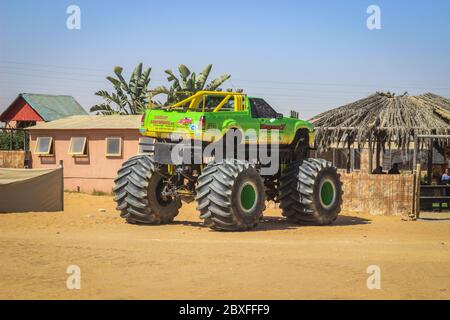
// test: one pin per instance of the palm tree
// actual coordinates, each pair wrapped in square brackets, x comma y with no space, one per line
[187,84]
[129,98]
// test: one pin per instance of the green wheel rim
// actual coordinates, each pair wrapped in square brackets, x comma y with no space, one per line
[327,193]
[248,196]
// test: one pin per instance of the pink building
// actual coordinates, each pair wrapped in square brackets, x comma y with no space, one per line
[92,148]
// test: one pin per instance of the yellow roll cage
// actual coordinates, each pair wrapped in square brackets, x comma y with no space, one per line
[200,96]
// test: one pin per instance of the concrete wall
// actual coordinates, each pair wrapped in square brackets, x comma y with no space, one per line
[378,194]
[13,159]
[95,171]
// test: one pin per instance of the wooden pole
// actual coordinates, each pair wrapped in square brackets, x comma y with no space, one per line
[349,160]
[430,160]
[416,194]
[370,156]
[353,159]
[416,142]
[378,155]
[61,163]
[414,202]
[24,140]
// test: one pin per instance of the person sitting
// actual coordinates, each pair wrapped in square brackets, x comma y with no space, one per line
[394,169]
[378,170]
[445,179]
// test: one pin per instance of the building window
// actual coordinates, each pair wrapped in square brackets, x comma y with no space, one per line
[77,146]
[113,147]
[44,146]
[146,145]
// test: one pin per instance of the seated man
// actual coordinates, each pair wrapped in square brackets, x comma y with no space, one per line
[394,169]
[378,170]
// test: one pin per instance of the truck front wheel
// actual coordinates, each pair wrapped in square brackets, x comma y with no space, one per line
[230,195]
[311,192]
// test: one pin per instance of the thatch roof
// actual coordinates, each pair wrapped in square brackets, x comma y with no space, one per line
[441,104]
[384,117]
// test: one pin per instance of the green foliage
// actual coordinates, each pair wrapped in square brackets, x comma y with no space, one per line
[187,83]
[130,97]
[12,140]
[100,193]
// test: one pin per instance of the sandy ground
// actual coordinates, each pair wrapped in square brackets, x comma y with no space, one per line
[187,261]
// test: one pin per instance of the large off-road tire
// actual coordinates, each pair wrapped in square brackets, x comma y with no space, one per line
[230,195]
[138,193]
[311,192]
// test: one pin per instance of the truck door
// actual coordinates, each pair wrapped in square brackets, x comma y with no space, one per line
[268,121]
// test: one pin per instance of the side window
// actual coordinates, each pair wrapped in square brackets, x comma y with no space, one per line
[211,102]
[229,105]
[261,109]
[44,146]
[77,146]
[113,147]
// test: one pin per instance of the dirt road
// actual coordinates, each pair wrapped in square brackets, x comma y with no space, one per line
[186,261]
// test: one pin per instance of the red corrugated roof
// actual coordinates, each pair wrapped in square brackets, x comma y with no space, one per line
[20,110]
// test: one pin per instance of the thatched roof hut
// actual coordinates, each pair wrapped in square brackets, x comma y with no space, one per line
[441,104]
[385,119]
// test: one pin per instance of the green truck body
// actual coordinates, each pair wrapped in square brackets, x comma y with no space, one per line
[195,123]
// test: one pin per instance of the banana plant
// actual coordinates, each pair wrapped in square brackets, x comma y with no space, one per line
[187,83]
[129,98]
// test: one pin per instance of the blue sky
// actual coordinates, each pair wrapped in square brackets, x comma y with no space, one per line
[303,55]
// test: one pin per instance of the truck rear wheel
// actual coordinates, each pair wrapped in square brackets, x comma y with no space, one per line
[138,193]
[311,192]
[230,195]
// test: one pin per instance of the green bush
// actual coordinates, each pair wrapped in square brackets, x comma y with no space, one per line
[12,141]
[100,193]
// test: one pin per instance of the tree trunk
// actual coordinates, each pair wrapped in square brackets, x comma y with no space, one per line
[378,156]
[430,161]
[349,158]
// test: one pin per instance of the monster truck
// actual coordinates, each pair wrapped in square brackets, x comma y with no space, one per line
[230,187]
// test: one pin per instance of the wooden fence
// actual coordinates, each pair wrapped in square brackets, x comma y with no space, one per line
[15,159]
[378,194]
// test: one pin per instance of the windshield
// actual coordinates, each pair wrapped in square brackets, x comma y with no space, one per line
[261,109]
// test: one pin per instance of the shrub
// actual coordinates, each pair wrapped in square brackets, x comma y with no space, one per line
[12,140]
